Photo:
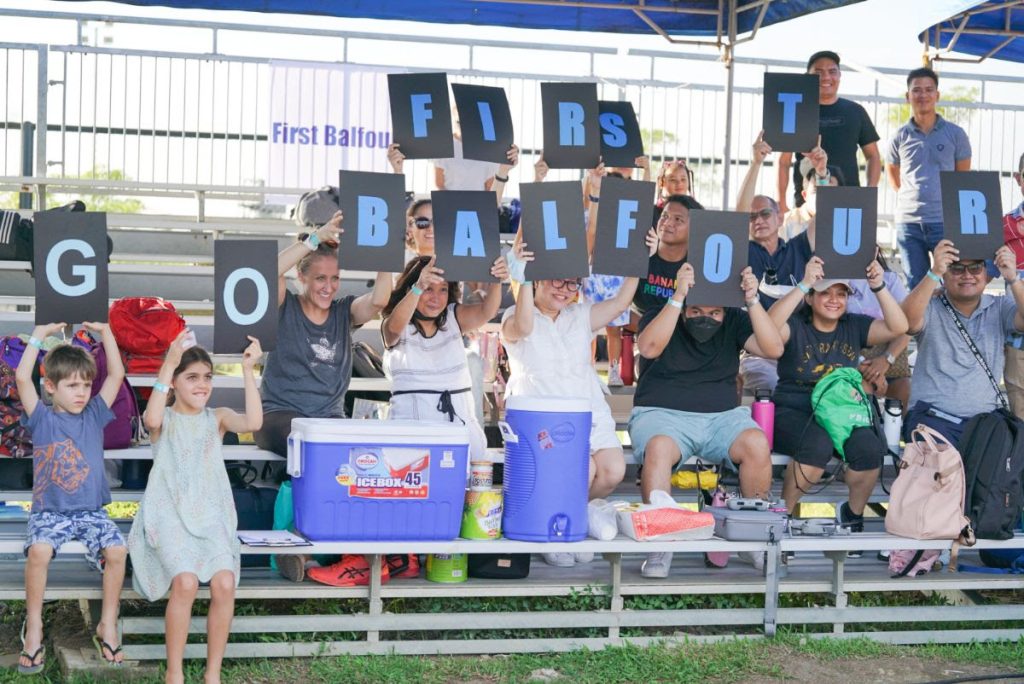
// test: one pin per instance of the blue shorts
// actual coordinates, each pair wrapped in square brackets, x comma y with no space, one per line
[707,435]
[95,529]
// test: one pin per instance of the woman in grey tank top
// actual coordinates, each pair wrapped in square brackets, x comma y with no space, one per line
[309,371]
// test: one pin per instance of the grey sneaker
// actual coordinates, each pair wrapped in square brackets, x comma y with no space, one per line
[657,565]
[586,557]
[755,558]
[614,377]
[560,560]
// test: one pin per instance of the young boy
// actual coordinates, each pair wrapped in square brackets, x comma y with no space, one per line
[70,488]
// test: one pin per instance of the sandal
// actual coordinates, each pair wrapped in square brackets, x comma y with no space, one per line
[292,566]
[39,655]
[102,647]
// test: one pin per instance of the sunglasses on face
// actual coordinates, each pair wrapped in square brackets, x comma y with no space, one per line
[422,222]
[974,269]
[570,285]
[764,213]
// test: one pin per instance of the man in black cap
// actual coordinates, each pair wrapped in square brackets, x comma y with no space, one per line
[844,126]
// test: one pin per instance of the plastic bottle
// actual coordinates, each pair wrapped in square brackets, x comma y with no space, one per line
[892,424]
[763,413]
[626,359]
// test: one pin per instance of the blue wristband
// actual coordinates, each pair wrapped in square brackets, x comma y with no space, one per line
[161,387]
[803,288]
[36,342]
[933,276]
[416,291]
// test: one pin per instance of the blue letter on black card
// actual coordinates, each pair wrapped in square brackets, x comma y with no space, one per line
[717,258]
[372,230]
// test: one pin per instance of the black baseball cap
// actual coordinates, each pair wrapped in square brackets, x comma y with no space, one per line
[827,54]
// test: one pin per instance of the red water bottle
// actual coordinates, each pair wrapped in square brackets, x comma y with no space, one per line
[626,358]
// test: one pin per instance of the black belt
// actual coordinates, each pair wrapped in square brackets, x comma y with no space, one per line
[444,402]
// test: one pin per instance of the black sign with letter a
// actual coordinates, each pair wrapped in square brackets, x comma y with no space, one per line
[718,252]
[71,267]
[245,287]
[466,239]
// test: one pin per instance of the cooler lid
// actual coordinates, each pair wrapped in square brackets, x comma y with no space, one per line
[379,431]
[548,404]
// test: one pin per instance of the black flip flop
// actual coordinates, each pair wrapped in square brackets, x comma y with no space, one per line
[40,655]
[102,646]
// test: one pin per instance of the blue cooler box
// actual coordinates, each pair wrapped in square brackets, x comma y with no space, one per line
[547,468]
[376,480]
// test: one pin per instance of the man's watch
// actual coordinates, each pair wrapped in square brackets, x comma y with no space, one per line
[891,359]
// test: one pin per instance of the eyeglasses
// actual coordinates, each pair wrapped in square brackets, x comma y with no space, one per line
[422,222]
[764,213]
[976,268]
[571,285]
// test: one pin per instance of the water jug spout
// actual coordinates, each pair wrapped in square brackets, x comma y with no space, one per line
[559,527]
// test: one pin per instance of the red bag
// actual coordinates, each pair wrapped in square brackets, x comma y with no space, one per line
[144,328]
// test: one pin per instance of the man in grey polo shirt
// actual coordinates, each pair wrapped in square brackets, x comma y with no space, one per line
[924,146]
[949,385]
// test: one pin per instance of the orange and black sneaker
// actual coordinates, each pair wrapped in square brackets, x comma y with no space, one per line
[403,565]
[350,571]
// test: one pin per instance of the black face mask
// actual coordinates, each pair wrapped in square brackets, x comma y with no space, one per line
[702,328]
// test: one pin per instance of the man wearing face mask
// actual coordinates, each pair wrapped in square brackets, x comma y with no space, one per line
[686,404]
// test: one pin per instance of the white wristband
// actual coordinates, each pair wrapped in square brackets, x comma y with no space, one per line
[672,302]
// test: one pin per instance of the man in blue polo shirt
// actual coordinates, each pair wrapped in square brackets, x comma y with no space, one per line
[923,147]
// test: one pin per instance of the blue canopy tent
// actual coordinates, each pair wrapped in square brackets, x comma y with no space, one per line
[719,23]
[992,28]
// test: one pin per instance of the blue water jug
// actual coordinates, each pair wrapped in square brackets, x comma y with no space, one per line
[547,464]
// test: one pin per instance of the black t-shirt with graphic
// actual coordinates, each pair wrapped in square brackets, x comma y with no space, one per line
[845,127]
[695,377]
[810,355]
[659,285]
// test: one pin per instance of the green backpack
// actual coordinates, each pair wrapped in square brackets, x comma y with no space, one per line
[840,405]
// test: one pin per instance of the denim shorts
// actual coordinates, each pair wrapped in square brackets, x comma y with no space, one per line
[95,529]
[707,435]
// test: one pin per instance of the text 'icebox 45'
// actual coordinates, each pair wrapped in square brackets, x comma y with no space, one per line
[718,252]
[790,114]
[971,212]
[846,230]
[245,288]
[623,218]
[466,234]
[621,141]
[571,128]
[373,205]
[485,121]
[421,117]
[554,230]
[70,267]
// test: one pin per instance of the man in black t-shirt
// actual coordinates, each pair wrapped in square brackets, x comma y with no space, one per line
[844,125]
[673,243]
[686,403]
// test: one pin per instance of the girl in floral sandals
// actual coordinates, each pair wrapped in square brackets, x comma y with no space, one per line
[185,530]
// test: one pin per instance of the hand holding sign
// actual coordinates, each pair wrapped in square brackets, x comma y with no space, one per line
[1006,262]
[749,284]
[396,158]
[814,271]
[945,253]
[252,354]
[685,280]
[818,158]
[429,275]
[762,149]
[874,275]
[499,269]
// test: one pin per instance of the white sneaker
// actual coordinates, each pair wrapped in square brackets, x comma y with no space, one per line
[560,560]
[755,558]
[657,565]
[583,557]
[614,377]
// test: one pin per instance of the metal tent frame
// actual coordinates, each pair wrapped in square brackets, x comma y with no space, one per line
[988,29]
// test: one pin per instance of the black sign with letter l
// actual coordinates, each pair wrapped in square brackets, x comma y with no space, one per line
[466,234]
[621,142]
[971,214]
[623,219]
[553,229]
[374,223]
[846,230]
[421,116]
[571,128]
[485,121]
[70,252]
[245,288]
[790,118]
[718,252]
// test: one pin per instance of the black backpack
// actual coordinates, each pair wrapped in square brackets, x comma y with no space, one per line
[992,447]
[15,237]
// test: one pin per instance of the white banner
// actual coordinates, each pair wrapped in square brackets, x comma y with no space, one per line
[323,119]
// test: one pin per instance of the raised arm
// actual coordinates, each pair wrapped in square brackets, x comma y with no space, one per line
[644,162]
[473,316]
[520,325]
[501,178]
[367,306]
[292,254]
[766,341]
[658,332]
[593,190]
[153,418]
[782,173]
[784,307]
[252,419]
[395,158]
[916,303]
[392,327]
[748,188]
[1006,262]
[603,313]
[894,322]
[23,373]
[115,367]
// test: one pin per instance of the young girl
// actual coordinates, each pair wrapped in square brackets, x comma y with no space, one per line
[547,337]
[424,355]
[185,530]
